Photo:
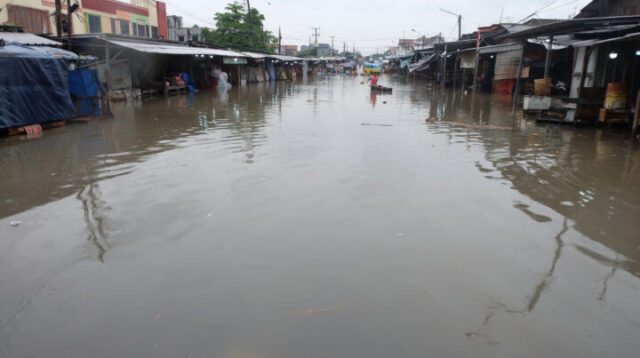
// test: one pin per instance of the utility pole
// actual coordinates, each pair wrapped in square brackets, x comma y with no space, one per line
[344,48]
[59,20]
[459,17]
[332,51]
[69,24]
[279,41]
[316,34]
[253,34]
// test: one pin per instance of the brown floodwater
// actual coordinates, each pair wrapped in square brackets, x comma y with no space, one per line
[314,219]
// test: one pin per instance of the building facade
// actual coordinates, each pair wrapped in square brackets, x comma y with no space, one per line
[140,18]
[289,50]
[177,31]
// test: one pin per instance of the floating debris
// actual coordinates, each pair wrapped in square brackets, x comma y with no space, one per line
[15,223]
[377,124]
[480,126]
[431,120]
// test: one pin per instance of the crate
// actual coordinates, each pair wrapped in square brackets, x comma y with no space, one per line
[537,103]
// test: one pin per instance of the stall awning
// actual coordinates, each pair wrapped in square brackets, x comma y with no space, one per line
[591,42]
[25,38]
[171,49]
[422,64]
[284,58]
[500,48]
[255,55]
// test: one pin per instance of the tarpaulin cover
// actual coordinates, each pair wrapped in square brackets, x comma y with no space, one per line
[34,87]
[85,83]
[271,71]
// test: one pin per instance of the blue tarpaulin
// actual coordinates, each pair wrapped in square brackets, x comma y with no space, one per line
[34,85]
[271,71]
[85,83]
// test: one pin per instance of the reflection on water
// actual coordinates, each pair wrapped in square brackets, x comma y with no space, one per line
[93,217]
[319,219]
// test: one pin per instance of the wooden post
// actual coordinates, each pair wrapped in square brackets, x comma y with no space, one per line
[547,62]
[455,71]
[519,79]
[108,63]
[636,117]
[443,78]
[59,20]
[475,72]
[69,24]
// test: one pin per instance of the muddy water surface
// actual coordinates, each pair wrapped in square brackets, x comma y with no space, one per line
[317,220]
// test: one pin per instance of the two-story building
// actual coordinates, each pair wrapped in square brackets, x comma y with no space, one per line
[140,18]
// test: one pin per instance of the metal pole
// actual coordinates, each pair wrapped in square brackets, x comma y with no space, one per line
[517,91]
[547,63]
[459,26]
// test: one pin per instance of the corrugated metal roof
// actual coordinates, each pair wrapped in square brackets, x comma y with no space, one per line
[591,42]
[500,48]
[171,49]
[258,55]
[255,55]
[574,25]
[26,38]
[284,58]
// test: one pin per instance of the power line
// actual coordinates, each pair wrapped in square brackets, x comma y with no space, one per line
[561,5]
[182,10]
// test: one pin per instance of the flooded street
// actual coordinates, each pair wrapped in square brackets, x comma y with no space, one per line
[314,219]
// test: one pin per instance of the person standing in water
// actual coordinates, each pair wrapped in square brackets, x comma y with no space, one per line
[373,80]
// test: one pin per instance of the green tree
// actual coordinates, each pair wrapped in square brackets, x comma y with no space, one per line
[239,30]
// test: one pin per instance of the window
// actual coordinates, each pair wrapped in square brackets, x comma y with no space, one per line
[134,28]
[124,27]
[113,26]
[194,38]
[181,38]
[142,30]
[147,31]
[94,23]
[36,21]
[154,32]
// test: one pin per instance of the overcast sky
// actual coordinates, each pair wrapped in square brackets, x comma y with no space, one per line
[375,24]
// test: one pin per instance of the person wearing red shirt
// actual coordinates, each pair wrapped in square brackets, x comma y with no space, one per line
[374,80]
